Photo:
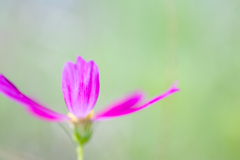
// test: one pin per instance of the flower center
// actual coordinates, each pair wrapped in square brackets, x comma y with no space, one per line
[75,119]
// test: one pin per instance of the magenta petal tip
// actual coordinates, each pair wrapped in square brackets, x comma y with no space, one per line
[114,112]
[37,110]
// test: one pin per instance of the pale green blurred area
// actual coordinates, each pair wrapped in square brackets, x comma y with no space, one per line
[137,44]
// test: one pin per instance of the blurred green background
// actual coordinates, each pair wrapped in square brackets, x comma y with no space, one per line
[137,44]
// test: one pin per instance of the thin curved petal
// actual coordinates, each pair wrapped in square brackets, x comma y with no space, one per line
[135,108]
[80,86]
[10,91]
[120,105]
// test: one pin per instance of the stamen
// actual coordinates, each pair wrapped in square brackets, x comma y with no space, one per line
[75,119]
[90,115]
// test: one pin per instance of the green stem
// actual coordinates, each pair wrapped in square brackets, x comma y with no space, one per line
[80,152]
[79,148]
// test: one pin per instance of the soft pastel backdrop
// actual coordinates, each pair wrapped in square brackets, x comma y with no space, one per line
[137,44]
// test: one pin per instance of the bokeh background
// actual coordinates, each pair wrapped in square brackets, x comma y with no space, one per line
[137,44]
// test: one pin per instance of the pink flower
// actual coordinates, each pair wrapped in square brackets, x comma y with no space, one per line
[80,86]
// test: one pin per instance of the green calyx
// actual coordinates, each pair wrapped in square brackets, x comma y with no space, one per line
[82,132]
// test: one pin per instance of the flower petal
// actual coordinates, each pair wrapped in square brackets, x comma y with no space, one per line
[121,105]
[10,91]
[134,108]
[80,86]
